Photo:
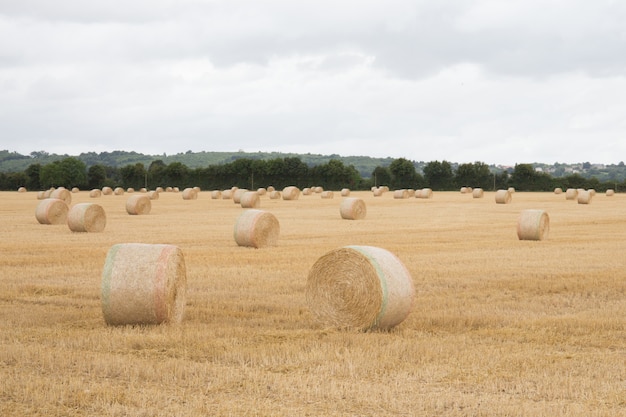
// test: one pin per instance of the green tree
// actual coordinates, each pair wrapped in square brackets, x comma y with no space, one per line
[96,176]
[439,175]
[33,174]
[403,174]
[381,176]
[176,174]
[133,175]
[69,172]
[476,175]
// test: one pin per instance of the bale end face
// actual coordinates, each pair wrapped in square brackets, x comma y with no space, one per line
[257,229]
[51,211]
[138,204]
[86,217]
[533,225]
[352,208]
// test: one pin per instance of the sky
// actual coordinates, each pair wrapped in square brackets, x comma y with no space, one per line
[495,81]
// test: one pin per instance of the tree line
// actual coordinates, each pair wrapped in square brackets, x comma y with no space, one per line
[281,172]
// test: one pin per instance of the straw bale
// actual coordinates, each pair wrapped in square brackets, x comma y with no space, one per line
[558,190]
[400,194]
[62,194]
[270,189]
[190,194]
[130,190]
[464,190]
[307,191]
[197,189]
[503,197]
[118,191]
[318,190]
[159,189]
[168,189]
[75,190]
[571,194]
[21,190]
[592,192]
[175,190]
[610,192]
[250,199]
[153,195]
[384,188]
[378,192]
[352,208]
[107,190]
[95,193]
[511,190]
[585,197]
[41,195]
[345,192]
[237,194]
[261,191]
[478,193]
[51,211]
[275,195]
[143,284]
[411,192]
[359,287]
[138,204]
[227,194]
[533,225]
[424,193]
[86,217]
[216,194]
[257,229]
[291,193]
[327,194]
[143,190]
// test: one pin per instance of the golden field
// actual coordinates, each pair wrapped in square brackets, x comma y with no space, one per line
[500,327]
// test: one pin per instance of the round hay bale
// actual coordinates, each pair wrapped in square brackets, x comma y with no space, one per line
[270,189]
[352,208]
[62,194]
[216,194]
[424,193]
[307,191]
[138,204]
[107,190]
[227,194]
[478,193]
[130,190]
[153,195]
[464,190]
[318,190]
[384,188]
[48,193]
[21,190]
[558,190]
[610,192]
[511,190]
[503,197]
[362,287]
[75,190]
[261,191]
[291,193]
[143,284]
[571,194]
[95,193]
[585,197]
[592,192]
[327,194]
[118,191]
[257,229]
[400,194]
[143,190]
[51,211]
[176,190]
[237,194]
[159,189]
[533,225]
[190,194]
[168,189]
[345,192]
[275,195]
[86,217]
[41,195]
[197,189]
[250,199]
[378,192]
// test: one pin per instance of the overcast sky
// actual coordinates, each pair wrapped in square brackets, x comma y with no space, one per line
[495,81]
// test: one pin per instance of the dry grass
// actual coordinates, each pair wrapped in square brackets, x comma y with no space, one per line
[501,327]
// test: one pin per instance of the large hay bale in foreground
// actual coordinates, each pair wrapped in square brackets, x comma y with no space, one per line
[143,284]
[533,225]
[352,208]
[257,229]
[86,217]
[250,199]
[62,194]
[51,211]
[362,287]
[138,204]
[503,197]
[190,194]
[291,193]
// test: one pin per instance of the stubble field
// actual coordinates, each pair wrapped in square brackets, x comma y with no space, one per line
[500,327]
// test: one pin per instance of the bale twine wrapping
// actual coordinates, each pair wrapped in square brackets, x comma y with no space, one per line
[143,284]
[86,217]
[571,194]
[107,190]
[275,195]
[362,287]
[401,194]
[610,192]
[558,190]
[95,193]
[190,194]
[237,194]
[250,199]
[51,211]
[585,197]
[216,194]
[327,194]
[153,195]
[503,197]
[291,193]
[345,192]
[62,194]
[533,225]
[478,193]
[138,204]
[257,229]
[21,190]
[352,208]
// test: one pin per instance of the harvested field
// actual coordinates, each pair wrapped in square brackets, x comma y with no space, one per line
[500,326]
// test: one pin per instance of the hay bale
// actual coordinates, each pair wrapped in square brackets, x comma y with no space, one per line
[51,211]
[237,194]
[571,194]
[153,195]
[107,190]
[138,204]
[143,284]
[130,190]
[424,193]
[478,193]
[118,191]
[327,194]
[176,190]
[143,190]
[250,199]
[291,193]
[41,195]
[378,192]
[216,194]
[503,197]
[585,197]
[511,190]
[48,193]
[257,229]
[95,193]
[558,190]
[62,194]
[464,190]
[75,190]
[227,194]
[361,287]
[159,189]
[190,194]
[592,192]
[168,189]
[21,190]
[345,192]
[197,189]
[275,195]
[533,225]
[400,194]
[261,191]
[352,208]
[270,189]
[610,192]
[307,191]
[86,217]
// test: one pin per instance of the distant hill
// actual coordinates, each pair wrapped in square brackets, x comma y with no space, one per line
[15,162]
